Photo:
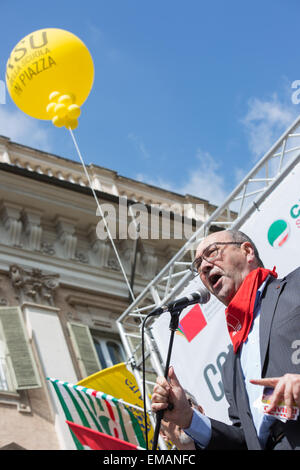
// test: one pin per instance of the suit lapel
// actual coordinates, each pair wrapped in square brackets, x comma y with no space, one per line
[268,306]
[242,402]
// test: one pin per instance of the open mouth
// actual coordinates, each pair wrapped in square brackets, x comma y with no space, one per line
[214,279]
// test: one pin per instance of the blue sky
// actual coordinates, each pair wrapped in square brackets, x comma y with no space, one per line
[188,95]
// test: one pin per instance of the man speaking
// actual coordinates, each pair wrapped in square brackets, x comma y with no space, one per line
[263,319]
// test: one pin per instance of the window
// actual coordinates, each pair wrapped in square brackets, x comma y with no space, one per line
[4,372]
[18,370]
[85,351]
[109,350]
[95,350]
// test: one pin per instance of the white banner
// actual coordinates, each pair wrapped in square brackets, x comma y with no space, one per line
[275,227]
[201,344]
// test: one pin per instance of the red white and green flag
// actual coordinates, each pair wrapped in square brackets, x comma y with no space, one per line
[95,440]
[100,412]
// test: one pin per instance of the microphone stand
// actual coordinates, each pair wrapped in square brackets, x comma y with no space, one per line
[173,327]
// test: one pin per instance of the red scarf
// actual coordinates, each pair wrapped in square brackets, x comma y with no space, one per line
[239,313]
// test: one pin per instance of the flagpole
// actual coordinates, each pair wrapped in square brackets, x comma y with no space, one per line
[173,327]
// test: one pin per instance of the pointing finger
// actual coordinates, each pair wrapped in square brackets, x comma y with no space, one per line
[268,382]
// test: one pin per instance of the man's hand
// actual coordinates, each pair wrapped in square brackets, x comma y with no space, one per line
[286,388]
[166,392]
[172,432]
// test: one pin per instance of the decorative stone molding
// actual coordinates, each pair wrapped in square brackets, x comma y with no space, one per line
[113,264]
[4,155]
[100,249]
[147,263]
[33,285]
[18,399]
[66,230]
[47,248]
[10,214]
[81,257]
[126,252]
[33,230]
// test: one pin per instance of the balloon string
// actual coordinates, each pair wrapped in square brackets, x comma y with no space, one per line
[101,213]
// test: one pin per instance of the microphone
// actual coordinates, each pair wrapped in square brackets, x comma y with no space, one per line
[201,296]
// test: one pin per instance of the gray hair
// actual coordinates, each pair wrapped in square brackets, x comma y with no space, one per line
[241,237]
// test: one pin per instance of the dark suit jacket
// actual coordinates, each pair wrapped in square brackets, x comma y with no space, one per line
[279,335]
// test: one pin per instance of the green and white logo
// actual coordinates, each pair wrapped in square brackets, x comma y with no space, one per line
[278,233]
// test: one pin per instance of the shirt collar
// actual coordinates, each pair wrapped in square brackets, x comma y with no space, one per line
[259,294]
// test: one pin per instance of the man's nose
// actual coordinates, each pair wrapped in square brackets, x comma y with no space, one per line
[205,266]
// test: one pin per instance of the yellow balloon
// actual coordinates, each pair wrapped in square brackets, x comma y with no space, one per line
[51,109]
[53,97]
[44,67]
[60,110]
[66,100]
[59,121]
[74,111]
[71,123]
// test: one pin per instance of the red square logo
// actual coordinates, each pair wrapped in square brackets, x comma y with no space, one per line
[192,323]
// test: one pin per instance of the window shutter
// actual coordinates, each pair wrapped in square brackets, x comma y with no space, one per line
[84,349]
[19,354]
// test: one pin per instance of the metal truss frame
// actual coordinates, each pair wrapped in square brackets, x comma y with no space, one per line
[246,198]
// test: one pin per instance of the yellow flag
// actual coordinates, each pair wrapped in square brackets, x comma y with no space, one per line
[117,381]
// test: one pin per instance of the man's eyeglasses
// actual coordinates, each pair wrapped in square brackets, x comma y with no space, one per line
[210,253]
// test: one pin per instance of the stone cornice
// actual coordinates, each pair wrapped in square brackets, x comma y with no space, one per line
[71,273]
[70,174]
[66,185]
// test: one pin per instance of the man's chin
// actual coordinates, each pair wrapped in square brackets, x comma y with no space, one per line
[222,296]
[217,291]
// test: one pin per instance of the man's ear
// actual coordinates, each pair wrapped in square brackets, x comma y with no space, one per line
[248,251]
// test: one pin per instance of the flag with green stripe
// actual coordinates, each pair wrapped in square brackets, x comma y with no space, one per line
[101,412]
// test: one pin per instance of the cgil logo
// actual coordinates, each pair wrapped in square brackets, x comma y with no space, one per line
[278,233]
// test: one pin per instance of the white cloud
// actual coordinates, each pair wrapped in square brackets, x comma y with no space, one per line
[139,145]
[205,180]
[22,129]
[95,33]
[265,122]
[158,182]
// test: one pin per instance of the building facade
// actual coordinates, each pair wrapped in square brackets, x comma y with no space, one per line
[62,285]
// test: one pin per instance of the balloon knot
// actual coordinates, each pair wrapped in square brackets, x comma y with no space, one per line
[62,110]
